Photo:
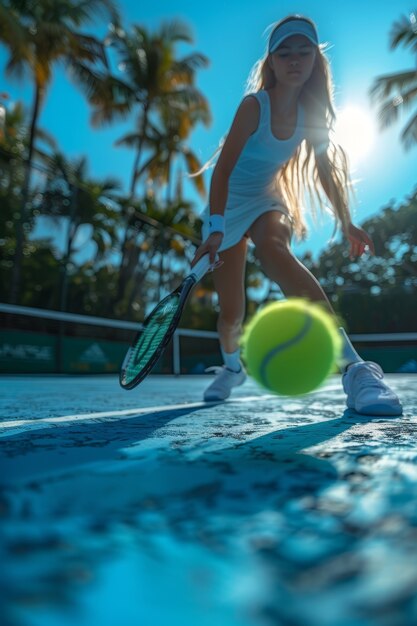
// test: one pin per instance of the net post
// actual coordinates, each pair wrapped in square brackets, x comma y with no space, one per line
[176,358]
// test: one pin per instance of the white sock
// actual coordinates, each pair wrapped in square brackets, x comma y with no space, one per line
[349,354]
[232,360]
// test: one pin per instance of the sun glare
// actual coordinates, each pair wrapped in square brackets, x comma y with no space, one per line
[355,131]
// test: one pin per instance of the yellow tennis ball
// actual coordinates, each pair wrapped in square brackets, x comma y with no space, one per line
[290,347]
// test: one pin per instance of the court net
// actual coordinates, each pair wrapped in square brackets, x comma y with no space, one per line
[41,341]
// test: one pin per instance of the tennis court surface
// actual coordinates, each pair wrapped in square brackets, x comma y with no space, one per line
[151,508]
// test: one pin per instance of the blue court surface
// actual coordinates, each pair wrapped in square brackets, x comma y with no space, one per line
[151,508]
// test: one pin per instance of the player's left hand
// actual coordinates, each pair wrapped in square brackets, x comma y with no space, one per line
[359,241]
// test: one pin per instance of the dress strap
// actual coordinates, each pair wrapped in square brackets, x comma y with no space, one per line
[261,97]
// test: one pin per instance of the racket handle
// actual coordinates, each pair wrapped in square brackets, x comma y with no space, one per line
[202,266]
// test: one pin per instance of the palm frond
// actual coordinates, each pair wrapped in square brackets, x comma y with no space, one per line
[12,33]
[192,61]
[87,48]
[384,85]
[150,165]
[131,140]
[111,98]
[103,115]
[89,9]
[387,114]
[110,184]
[47,138]
[17,64]
[91,81]
[409,134]
[80,167]
[140,34]
[183,99]
[404,32]
[390,109]
[153,133]
[175,30]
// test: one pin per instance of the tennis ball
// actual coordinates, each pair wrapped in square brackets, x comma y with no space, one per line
[290,347]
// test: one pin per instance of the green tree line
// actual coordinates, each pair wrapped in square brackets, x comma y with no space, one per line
[142,239]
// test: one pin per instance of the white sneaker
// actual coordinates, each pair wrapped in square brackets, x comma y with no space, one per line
[367,393]
[225,380]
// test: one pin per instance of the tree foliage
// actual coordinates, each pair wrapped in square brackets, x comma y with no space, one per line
[396,93]
[377,293]
[123,250]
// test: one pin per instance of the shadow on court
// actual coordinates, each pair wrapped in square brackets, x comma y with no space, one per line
[229,514]
[53,450]
[94,477]
[107,449]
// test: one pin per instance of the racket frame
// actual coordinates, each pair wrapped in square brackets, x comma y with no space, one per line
[184,291]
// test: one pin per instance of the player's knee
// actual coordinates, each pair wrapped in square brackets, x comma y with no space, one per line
[230,322]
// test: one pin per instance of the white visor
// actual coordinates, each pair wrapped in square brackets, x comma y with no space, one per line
[296,26]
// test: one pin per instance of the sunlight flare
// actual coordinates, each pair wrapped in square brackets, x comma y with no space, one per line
[355,131]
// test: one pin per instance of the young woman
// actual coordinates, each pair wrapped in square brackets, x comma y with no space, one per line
[279,144]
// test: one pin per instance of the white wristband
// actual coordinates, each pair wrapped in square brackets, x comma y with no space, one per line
[216,223]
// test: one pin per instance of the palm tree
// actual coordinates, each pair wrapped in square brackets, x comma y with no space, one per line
[152,228]
[12,146]
[156,171]
[10,30]
[398,92]
[71,195]
[167,239]
[39,35]
[152,77]
[168,145]
[178,217]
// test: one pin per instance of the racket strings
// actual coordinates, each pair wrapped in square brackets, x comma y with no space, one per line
[151,338]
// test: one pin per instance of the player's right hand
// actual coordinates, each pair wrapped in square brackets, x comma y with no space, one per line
[210,246]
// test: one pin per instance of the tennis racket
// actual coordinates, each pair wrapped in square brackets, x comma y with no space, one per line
[158,328]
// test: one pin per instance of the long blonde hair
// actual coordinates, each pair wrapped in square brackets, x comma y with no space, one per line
[299,176]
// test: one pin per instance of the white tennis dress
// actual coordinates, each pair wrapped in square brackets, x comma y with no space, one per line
[252,182]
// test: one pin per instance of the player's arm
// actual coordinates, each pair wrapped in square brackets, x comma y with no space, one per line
[244,125]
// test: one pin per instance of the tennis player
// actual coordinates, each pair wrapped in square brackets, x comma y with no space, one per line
[278,146]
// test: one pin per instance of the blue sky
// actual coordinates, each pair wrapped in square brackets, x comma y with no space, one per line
[232,35]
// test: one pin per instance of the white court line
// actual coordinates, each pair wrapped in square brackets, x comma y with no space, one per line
[15,426]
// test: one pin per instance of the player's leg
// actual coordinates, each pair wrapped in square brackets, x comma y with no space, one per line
[229,282]
[362,381]
[271,234]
